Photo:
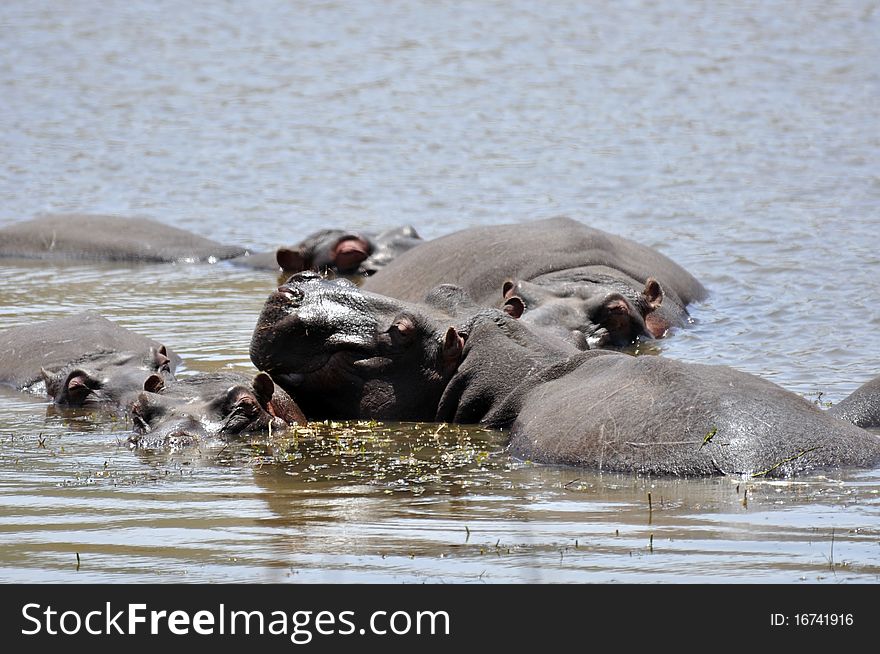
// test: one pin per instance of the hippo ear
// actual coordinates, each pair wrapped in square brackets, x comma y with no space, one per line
[154,384]
[77,387]
[652,298]
[453,346]
[653,294]
[514,306]
[292,260]
[160,359]
[507,288]
[275,401]
[264,387]
[349,253]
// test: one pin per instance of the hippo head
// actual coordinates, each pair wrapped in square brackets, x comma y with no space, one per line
[106,380]
[219,404]
[343,353]
[330,249]
[592,315]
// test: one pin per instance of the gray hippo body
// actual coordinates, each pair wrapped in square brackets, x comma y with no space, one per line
[862,408]
[81,360]
[570,260]
[108,238]
[344,353]
[220,404]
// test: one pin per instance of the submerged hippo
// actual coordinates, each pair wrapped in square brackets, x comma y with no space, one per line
[570,268]
[108,238]
[344,353]
[82,360]
[606,312]
[862,408]
[222,404]
[346,252]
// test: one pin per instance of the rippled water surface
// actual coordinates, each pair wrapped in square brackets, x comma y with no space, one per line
[741,139]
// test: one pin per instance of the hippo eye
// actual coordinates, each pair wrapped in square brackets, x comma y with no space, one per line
[248,406]
[243,414]
[402,331]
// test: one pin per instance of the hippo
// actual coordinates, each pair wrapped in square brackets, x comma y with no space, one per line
[862,408]
[578,264]
[600,314]
[108,238]
[224,404]
[347,252]
[82,360]
[345,353]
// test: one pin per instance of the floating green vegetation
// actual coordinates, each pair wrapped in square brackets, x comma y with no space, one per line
[401,457]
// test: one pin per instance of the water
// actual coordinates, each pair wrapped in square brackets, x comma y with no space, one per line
[741,139]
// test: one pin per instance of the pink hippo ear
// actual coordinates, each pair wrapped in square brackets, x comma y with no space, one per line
[653,294]
[349,253]
[403,330]
[453,346]
[514,306]
[154,384]
[276,402]
[160,359]
[264,387]
[652,298]
[292,260]
[77,387]
[507,289]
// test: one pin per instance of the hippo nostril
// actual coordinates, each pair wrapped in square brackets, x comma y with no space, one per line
[293,293]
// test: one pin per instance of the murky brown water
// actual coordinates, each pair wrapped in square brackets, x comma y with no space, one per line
[742,140]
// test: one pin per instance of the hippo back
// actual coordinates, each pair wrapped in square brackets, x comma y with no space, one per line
[862,408]
[659,416]
[75,339]
[480,259]
[108,238]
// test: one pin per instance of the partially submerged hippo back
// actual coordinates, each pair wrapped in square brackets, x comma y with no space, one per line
[81,359]
[223,404]
[655,415]
[481,259]
[862,408]
[108,238]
